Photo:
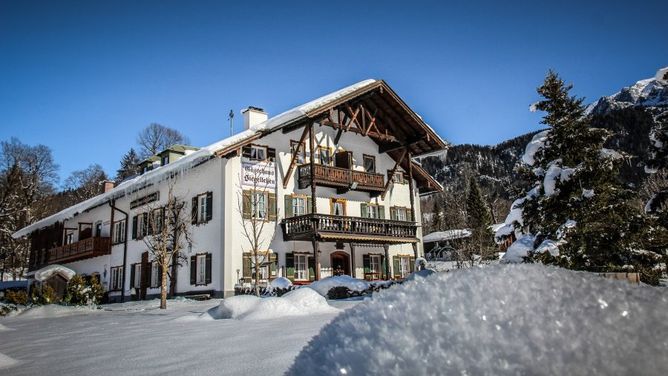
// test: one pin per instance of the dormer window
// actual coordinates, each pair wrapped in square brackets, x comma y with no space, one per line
[164,160]
[258,153]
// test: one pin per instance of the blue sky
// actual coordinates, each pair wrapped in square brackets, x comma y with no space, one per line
[83,77]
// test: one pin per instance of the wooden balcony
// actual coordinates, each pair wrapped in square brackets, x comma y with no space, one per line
[83,249]
[343,179]
[353,229]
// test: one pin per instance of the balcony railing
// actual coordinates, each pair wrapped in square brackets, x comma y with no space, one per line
[333,227]
[342,178]
[83,249]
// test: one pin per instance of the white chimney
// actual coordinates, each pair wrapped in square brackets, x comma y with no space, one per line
[253,116]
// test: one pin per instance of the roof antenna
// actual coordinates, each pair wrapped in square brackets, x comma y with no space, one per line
[231,118]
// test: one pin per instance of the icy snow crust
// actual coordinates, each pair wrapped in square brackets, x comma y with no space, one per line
[189,161]
[500,320]
[300,302]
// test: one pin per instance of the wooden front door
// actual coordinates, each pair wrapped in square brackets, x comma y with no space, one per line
[340,262]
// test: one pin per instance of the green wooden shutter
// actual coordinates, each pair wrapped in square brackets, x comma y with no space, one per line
[381,212]
[193,210]
[288,206]
[145,271]
[246,204]
[366,263]
[272,206]
[311,268]
[209,206]
[309,203]
[144,225]
[411,264]
[393,213]
[193,270]
[132,275]
[409,215]
[207,274]
[134,227]
[364,210]
[247,265]
[396,268]
[290,266]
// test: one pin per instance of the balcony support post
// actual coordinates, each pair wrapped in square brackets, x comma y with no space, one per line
[352,260]
[386,247]
[412,198]
[314,223]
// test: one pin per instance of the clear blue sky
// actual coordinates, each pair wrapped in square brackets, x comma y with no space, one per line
[83,77]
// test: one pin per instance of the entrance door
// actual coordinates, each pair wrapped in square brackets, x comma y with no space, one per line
[340,263]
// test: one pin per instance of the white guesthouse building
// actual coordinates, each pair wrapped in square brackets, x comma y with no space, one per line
[351,207]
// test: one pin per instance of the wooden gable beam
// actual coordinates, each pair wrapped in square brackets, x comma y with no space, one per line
[396,146]
[293,160]
[389,178]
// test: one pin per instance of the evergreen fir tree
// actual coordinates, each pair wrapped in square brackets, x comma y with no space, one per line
[478,219]
[129,166]
[576,200]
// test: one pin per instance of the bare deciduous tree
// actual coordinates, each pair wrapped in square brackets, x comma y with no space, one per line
[156,137]
[170,232]
[257,209]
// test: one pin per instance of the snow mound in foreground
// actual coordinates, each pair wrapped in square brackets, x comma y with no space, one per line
[505,319]
[280,283]
[353,284]
[299,302]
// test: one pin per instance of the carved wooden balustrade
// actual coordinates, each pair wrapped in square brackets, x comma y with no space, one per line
[342,178]
[333,227]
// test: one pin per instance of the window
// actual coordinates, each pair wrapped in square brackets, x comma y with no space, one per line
[258,153]
[98,229]
[202,208]
[267,265]
[136,280]
[397,177]
[259,205]
[375,264]
[119,232]
[301,156]
[116,278]
[69,237]
[156,225]
[372,211]
[325,155]
[402,265]
[155,274]
[298,206]
[139,225]
[369,163]
[398,213]
[164,160]
[200,269]
[301,267]
[338,206]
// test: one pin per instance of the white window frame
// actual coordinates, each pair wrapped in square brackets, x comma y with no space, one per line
[301,267]
[371,158]
[375,265]
[155,278]
[137,281]
[140,226]
[201,208]
[201,269]
[259,203]
[298,205]
[258,153]
[69,237]
[119,231]
[116,278]
[404,266]
[372,211]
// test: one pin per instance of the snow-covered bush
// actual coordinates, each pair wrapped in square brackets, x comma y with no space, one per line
[324,285]
[42,293]
[83,290]
[302,301]
[525,319]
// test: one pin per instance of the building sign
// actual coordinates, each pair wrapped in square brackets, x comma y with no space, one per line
[258,175]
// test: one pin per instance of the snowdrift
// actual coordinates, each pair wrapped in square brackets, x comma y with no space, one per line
[501,320]
[353,284]
[303,301]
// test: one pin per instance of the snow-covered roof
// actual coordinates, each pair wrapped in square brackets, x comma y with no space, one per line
[192,159]
[440,236]
[51,270]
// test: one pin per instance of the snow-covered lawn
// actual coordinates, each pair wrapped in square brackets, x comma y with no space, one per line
[139,339]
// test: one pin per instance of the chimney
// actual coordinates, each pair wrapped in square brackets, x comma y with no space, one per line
[253,116]
[108,185]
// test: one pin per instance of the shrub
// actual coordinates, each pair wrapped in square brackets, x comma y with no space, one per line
[16,297]
[340,292]
[83,290]
[43,294]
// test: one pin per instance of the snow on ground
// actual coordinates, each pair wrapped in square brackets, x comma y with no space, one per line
[299,302]
[137,338]
[502,320]
[353,284]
